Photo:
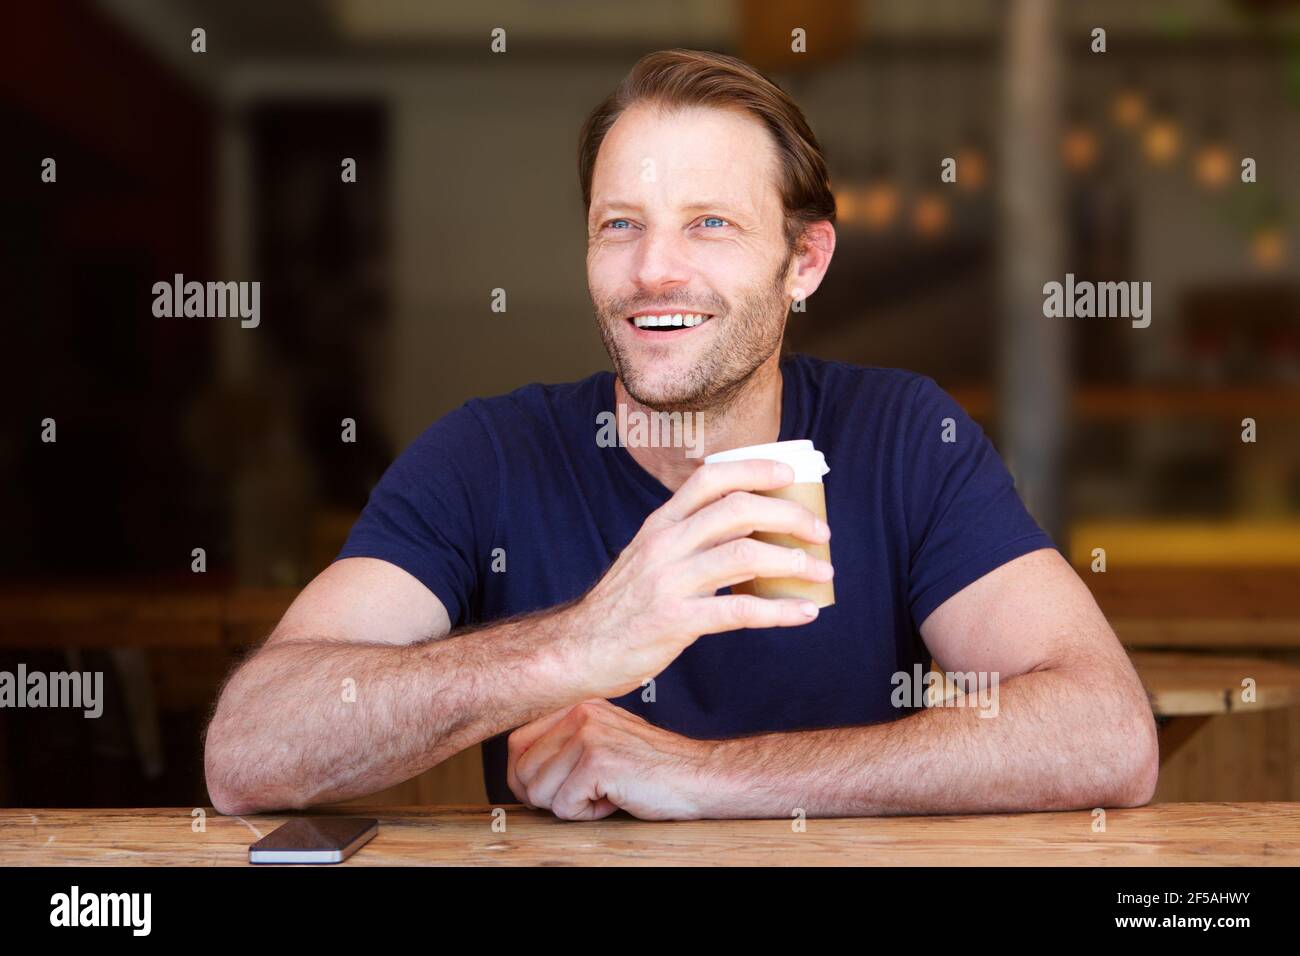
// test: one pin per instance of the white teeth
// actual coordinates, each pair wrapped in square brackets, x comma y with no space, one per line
[685,319]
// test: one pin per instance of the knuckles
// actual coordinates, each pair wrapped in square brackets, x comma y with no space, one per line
[515,743]
[534,796]
[706,475]
[737,503]
[595,730]
[742,608]
[743,550]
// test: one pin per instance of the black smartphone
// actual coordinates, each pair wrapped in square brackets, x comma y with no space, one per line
[314,840]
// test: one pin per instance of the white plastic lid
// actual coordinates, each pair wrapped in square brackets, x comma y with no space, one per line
[808,463]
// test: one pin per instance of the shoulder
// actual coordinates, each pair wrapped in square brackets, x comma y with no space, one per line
[530,415]
[886,395]
[856,379]
[537,409]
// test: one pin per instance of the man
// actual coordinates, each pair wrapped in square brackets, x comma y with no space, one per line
[588,582]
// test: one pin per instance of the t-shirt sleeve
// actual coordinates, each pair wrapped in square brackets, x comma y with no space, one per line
[964,516]
[433,513]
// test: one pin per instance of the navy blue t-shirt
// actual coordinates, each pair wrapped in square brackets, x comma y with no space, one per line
[914,519]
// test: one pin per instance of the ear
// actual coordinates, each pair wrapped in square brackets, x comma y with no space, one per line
[812,258]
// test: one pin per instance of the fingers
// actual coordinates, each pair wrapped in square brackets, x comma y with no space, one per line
[542,751]
[729,612]
[741,513]
[544,779]
[580,797]
[602,808]
[535,744]
[524,737]
[745,559]
[516,785]
[711,482]
[518,744]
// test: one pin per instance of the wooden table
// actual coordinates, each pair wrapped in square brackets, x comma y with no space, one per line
[1187,690]
[1178,834]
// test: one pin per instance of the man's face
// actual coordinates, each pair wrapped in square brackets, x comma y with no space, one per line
[686,219]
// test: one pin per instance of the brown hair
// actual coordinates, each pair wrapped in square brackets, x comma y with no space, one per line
[676,78]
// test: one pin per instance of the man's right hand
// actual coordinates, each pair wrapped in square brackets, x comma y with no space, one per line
[661,592]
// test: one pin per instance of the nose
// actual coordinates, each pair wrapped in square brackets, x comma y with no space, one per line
[660,261]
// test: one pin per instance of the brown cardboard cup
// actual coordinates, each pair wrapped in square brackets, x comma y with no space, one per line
[807,464]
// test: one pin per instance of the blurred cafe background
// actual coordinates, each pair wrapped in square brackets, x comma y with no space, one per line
[180,434]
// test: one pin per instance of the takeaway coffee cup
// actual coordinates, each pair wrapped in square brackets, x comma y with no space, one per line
[807,489]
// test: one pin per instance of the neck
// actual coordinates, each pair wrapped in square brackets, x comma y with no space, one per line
[751,417]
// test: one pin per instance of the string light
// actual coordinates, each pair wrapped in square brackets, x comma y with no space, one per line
[972,162]
[1213,166]
[1129,108]
[1268,246]
[846,206]
[972,168]
[1161,140]
[930,215]
[1079,148]
[880,204]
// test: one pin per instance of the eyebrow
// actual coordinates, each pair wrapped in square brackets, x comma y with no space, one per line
[707,205]
[605,207]
[719,204]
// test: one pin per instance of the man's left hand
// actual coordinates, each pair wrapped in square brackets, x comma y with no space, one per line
[585,762]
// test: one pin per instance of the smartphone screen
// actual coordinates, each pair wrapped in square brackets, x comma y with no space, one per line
[314,840]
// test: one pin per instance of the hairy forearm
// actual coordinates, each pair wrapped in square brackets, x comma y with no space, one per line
[1062,739]
[312,721]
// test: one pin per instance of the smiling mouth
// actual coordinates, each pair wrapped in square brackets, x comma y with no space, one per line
[669,321]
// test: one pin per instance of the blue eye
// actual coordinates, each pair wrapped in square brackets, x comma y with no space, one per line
[619,224]
[709,220]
